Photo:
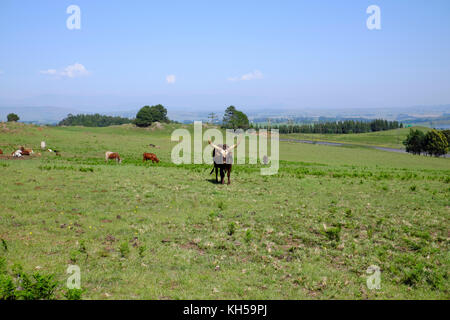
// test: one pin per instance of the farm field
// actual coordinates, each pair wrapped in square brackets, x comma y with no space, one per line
[387,139]
[161,231]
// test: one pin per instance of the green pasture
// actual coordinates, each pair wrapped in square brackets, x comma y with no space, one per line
[161,231]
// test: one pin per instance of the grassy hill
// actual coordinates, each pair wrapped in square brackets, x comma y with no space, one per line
[161,231]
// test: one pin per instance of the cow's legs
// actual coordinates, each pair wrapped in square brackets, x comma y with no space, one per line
[217,171]
[222,176]
[228,175]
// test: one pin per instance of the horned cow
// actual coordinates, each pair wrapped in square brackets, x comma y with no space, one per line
[223,160]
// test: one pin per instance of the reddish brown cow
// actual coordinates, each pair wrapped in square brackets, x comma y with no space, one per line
[1,151]
[112,155]
[150,156]
[26,152]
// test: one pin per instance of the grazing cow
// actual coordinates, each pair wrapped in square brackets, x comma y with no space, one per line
[150,156]
[112,155]
[26,152]
[1,151]
[223,160]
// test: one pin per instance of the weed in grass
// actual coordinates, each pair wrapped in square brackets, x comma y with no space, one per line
[231,228]
[142,250]
[124,249]
[73,294]
[221,205]
[4,245]
[248,236]
[333,233]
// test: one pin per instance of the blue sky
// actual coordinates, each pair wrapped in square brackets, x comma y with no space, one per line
[198,55]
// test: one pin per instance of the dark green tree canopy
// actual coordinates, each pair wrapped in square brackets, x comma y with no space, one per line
[415,142]
[12,117]
[92,120]
[147,115]
[447,135]
[436,143]
[234,119]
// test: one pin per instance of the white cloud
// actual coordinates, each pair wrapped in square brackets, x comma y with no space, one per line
[75,70]
[248,76]
[170,78]
[71,71]
[49,71]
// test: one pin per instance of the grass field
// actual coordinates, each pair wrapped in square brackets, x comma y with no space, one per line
[161,231]
[388,139]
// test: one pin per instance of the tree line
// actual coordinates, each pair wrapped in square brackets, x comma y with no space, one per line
[433,143]
[92,120]
[144,118]
[346,126]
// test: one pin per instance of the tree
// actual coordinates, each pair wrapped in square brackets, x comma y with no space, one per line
[12,117]
[234,119]
[447,135]
[414,142]
[436,143]
[213,118]
[147,115]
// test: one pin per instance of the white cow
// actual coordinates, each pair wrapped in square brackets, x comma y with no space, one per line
[17,153]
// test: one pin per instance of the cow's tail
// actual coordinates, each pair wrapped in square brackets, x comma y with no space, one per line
[212,170]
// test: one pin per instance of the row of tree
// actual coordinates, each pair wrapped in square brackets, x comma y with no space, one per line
[433,142]
[92,120]
[347,126]
[144,118]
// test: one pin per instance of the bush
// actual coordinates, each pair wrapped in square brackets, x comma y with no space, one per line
[35,287]
[73,294]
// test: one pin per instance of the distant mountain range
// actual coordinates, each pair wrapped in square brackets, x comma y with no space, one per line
[440,114]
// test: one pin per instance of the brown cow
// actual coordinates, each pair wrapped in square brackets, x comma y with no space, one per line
[150,156]
[26,152]
[112,155]
[1,151]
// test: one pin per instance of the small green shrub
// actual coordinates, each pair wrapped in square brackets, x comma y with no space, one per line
[73,294]
[248,236]
[231,228]
[124,249]
[142,250]
[7,288]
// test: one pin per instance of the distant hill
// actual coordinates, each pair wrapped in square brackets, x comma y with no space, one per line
[38,115]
